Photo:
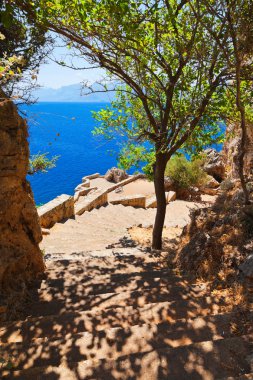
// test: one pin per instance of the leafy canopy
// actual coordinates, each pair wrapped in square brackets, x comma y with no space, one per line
[171,67]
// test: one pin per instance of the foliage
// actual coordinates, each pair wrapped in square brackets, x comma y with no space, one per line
[185,173]
[124,118]
[23,47]
[174,72]
[171,72]
[41,163]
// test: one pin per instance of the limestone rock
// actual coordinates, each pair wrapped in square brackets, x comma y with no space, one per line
[137,200]
[247,267]
[171,196]
[94,199]
[248,210]
[151,202]
[93,176]
[168,184]
[115,175]
[209,190]
[212,183]
[20,233]
[56,210]
[83,191]
[231,150]
[190,194]
[211,186]
[85,183]
[214,164]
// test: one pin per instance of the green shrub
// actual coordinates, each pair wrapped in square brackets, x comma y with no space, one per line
[186,173]
[41,163]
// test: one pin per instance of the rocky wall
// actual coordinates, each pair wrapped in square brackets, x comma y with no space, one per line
[61,207]
[231,150]
[20,257]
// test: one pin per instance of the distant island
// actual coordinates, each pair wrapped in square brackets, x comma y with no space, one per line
[71,93]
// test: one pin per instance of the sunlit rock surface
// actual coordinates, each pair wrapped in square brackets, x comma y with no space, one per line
[20,257]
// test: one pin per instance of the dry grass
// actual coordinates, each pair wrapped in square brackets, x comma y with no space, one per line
[143,236]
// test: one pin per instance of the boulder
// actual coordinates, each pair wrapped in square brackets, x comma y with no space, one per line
[115,175]
[168,184]
[211,187]
[247,267]
[20,233]
[211,183]
[171,196]
[214,165]
[190,194]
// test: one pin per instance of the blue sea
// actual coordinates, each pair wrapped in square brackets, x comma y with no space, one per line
[65,130]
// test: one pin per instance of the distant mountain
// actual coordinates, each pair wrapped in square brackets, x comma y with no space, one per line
[71,93]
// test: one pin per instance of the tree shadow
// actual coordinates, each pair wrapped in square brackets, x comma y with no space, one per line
[124,316]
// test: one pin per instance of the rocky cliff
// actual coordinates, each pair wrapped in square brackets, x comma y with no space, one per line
[20,233]
[231,150]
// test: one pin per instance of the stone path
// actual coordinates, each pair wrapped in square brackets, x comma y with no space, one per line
[108,225]
[122,314]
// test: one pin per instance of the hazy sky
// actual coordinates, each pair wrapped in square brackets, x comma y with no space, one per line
[55,76]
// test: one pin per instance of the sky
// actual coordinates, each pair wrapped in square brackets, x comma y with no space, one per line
[53,75]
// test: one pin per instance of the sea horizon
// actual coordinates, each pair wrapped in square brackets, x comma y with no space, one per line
[66,131]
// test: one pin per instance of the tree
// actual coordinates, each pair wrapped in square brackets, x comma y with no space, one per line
[122,121]
[23,48]
[238,16]
[168,60]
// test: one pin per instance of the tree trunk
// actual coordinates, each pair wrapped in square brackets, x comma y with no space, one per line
[160,165]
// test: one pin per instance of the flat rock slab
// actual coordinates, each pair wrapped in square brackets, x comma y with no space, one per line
[174,314]
[89,202]
[171,196]
[135,339]
[207,360]
[56,210]
[152,202]
[138,200]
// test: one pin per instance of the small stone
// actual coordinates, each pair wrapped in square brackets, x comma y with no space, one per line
[147,225]
[168,184]
[45,231]
[171,196]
